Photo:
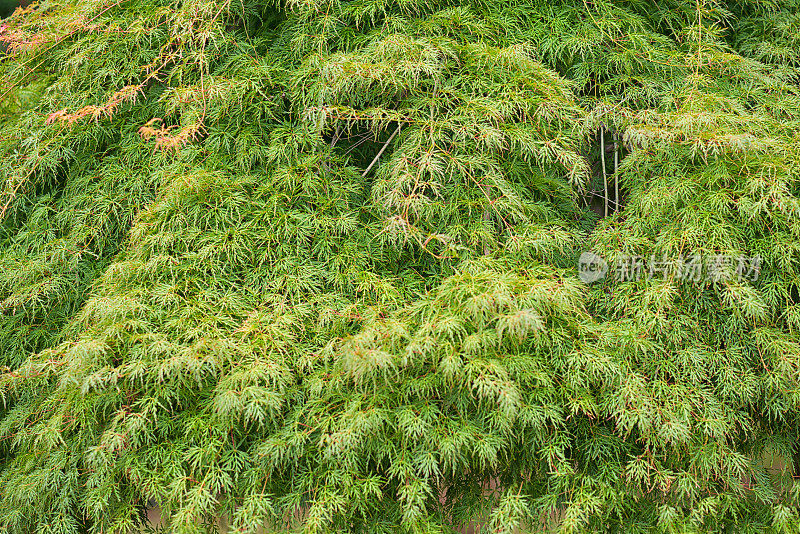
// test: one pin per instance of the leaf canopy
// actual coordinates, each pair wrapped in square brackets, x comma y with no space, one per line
[310,265]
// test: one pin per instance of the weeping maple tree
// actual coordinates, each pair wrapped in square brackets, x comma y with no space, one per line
[311,266]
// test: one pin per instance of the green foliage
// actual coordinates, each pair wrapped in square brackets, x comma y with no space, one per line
[310,265]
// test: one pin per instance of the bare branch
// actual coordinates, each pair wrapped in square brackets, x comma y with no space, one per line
[383,148]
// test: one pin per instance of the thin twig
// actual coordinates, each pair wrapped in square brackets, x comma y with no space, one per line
[383,148]
[605,176]
[598,195]
[616,172]
[363,139]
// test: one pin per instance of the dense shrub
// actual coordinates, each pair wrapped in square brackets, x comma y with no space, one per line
[312,265]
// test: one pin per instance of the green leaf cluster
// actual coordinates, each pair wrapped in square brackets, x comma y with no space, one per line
[310,265]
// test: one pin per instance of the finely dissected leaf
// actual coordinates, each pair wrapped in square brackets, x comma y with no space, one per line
[311,266]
